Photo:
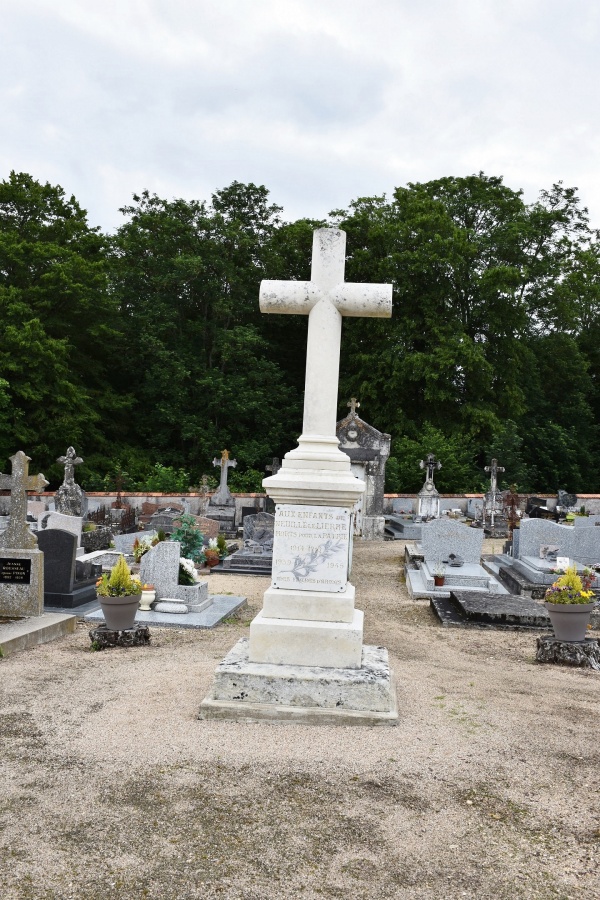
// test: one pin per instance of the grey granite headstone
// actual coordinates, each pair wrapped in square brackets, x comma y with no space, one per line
[586,521]
[160,567]
[258,531]
[402,505]
[536,533]
[67,583]
[441,537]
[74,524]
[124,542]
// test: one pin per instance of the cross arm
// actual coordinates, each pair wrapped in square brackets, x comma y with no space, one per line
[288,297]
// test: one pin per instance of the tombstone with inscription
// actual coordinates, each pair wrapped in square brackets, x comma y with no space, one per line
[68,583]
[305,660]
[21,561]
[368,450]
[70,499]
[221,505]
[256,555]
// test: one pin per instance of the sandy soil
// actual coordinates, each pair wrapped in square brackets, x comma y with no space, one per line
[110,787]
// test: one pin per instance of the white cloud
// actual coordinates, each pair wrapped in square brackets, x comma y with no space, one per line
[320,101]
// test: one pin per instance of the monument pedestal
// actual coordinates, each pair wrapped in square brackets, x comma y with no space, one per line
[244,691]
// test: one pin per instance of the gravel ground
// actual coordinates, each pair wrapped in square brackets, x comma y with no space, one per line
[110,787]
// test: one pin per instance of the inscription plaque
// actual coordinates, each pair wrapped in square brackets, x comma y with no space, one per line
[15,571]
[311,547]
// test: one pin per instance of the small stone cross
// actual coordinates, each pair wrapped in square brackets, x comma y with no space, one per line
[494,471]
[223,493]
[354,405]
[204,485]
[274,467]
[431,464]
[17,535]
[325,299]
[69,461]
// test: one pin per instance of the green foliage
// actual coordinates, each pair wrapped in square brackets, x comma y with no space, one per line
[165,480]
[120,582]
[221,546]
[457,474]
[190,537]
[247,482]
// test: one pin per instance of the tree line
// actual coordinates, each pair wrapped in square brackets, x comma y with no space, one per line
[146,349]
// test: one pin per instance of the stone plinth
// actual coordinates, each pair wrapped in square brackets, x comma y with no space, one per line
[583,654]
[301,642]
[21,583]
[102,637]
[245,691]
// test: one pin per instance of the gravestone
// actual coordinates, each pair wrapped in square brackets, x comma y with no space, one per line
[402,505]
[428,499]
[21,561]
[304,659]
[441,540]
[70,499]
[368,450]
[586,521]
[256,555]
[164,521]
[124,542]
[208,527]
[160,567]
[67,582]
[494,504]
[221,505]
[71,523]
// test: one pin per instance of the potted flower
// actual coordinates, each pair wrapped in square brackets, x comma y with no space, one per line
[570,602]
[439,575]
[119,594]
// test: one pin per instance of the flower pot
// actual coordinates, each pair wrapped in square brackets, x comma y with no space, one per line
[119,612]
[148,598]
[439,580]
[570,620]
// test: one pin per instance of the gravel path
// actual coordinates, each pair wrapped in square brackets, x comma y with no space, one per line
[110,787]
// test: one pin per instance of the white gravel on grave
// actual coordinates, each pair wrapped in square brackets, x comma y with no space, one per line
[110,786]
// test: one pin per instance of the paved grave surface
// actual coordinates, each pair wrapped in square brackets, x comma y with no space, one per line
[22,634]
[222,606]
[470,609]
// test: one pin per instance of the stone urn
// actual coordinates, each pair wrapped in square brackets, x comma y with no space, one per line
[119,612]
[570,620]
[148,597]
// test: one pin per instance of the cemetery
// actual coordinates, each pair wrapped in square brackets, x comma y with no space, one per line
[347,644]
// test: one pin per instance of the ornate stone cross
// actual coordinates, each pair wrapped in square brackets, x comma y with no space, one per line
[354,405]
[17,535]
[223,494]
[69,461]
[431,464]
[274,467]
[325,299]
[494,471]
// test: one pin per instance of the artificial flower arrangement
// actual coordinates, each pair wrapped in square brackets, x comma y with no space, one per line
[120,582]
[571,587]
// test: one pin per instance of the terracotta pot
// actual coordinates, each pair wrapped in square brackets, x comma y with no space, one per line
[119,612]
[570,620]
[439,580]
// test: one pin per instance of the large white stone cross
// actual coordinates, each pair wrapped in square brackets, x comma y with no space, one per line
[325,299]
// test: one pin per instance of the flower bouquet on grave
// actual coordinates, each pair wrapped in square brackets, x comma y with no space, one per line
[119,594]
[187,572]
[570,602]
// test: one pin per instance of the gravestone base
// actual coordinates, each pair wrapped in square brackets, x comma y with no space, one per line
[312,695]
[402,528]
[244,562]
[489,610]
[304,642]
[583,654]
[73,599]
[21,598]
[102,637]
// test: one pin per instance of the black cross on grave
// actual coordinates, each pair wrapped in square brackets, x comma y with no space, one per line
[354,405]
[274,467]
[431,464]
[17,535]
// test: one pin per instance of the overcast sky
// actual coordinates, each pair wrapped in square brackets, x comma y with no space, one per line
[322,101]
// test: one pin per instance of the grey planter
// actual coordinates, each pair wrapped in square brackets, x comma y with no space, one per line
[119,612]
[570,620]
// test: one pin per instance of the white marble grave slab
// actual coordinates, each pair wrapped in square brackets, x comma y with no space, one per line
[311,547]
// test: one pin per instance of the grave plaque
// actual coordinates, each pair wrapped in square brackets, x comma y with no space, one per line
[15,571]
[311,547]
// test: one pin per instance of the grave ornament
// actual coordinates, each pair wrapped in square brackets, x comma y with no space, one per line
[70,499]
[428,499]
[223,496]
[17,535]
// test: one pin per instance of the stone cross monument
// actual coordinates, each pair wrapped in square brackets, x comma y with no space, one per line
[428,499]
[224,497]
[21,562]
[274,467]
[70,499]
[353,405]
[308,618]
[493,503]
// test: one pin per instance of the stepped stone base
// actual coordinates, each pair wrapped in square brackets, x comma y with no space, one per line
[252,692]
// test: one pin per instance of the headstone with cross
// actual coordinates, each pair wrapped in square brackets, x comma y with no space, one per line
[223,496]
[70,499]
[17,535]
[494,503]
[21,562]
[428,499]
[308,617]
